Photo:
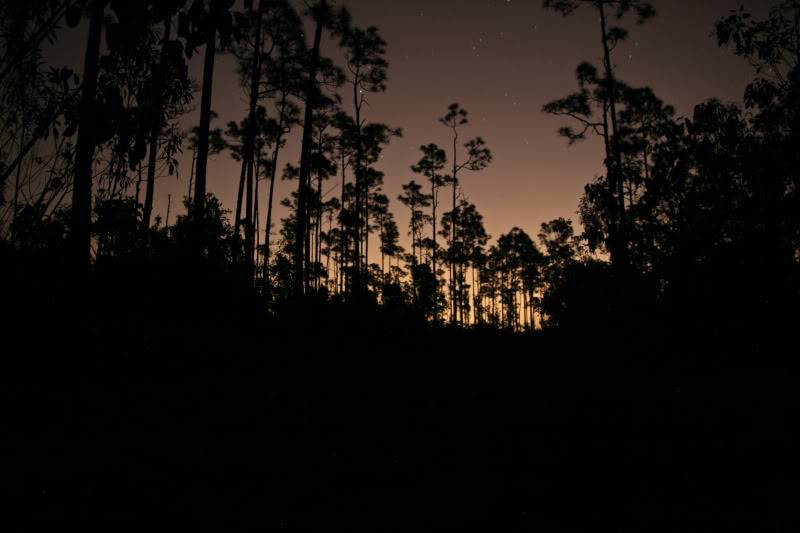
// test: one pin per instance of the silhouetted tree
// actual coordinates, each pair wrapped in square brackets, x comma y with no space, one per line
[323,167]
[478,158]
[365,55]
[472,238]
[34,98]
[431,165]
[389,237]
[416,201]
[252,55]
[373,138]
[577,105]
[771,47]
[209,23]
[324,18]
[511,256]
[169,87]
[345,142]
[84,152]
[282,81]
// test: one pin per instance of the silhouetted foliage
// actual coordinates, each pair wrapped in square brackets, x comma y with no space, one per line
[546,382]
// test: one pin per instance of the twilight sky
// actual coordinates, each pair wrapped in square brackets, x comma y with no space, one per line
[501,60]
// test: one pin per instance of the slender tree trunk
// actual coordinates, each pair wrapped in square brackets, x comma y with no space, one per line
[205,121]
[474,301]
[413,236]
[240,199]
[84,151]
[191,176]
[525,322]
[156,118]
[366,236]
[461,278]
[249,226]
[250,141]
[309,226]
[256,221]
[318,233]
[453,223]
[300,273]
[139,182]
[342,239]
[268,229]
[328,255]
[359,183]
[617,183]
[434,195]
[273,175]
[169,205]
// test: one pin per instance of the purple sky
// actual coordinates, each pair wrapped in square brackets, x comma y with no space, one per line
[501,60]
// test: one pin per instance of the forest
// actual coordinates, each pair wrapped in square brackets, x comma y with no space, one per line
[314,361]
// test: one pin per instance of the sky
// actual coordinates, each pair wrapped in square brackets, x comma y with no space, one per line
[502,60]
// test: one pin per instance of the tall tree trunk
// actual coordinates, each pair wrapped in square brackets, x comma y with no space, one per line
[273,174]
[366,236]
[524,309]
[256,221]
[309,226]
[138,182]
[268,228]
[413,237]
[475,305]
[342,239]
[461,293]
[84,151]
[250,141]
[205,121]
[270,200]
[249,226]
[318,234]
[157,119]
[359,183]
[434,196]
[453,223]
[301,273]
[328,254]
[616,184]
[240,200]
[191,175]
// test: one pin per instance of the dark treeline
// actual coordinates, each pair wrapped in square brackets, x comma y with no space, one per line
[688,209]
[153,349]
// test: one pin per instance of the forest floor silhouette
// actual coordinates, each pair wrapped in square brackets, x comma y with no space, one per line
[150,401]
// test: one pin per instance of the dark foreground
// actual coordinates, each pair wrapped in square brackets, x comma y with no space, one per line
[327,418]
